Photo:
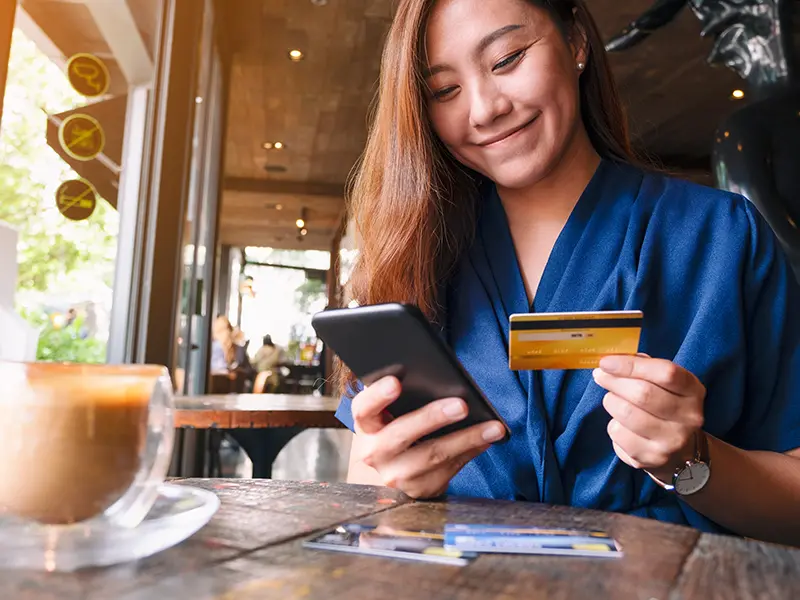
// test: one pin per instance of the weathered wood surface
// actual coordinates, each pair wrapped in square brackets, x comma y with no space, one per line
[252,550]
[253,411]
[747,569]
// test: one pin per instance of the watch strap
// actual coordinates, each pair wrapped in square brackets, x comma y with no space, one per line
[701,454]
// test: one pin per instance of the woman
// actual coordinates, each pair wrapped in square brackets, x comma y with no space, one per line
[498,179]
[227,356]
[267,362]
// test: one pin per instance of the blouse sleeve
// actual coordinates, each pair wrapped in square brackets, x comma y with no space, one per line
[771,294]
[344,413]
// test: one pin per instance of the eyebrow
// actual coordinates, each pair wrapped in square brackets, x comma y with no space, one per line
[482,46]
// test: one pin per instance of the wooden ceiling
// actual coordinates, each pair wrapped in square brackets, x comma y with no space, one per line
[318,107]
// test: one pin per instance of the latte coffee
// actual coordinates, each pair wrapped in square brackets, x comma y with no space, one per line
[73,438]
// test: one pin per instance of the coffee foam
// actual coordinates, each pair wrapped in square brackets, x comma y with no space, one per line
[44,383]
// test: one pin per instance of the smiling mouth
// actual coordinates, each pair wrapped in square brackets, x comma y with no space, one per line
[505,136]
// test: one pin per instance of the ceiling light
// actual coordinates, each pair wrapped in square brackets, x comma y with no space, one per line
[279,207]
[296,55]
[304,231]
[300,223]
[737,94]
[198,100]
[319,2]
[267,145]
[278,145]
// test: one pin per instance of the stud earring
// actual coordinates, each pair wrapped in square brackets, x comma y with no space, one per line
[581,66]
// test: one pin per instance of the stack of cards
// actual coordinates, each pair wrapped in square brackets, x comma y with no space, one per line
[460,544]
[512,539]
[576,340]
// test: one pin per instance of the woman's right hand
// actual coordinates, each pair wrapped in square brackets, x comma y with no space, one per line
[387,445]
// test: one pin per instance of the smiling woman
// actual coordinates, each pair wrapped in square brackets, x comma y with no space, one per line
[498,179]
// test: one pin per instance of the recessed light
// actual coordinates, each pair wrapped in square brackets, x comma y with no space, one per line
[300,223]
[198,100]
[296,55]
[278,145]
[267,145]
[279,207]
[738,94]
[304,231]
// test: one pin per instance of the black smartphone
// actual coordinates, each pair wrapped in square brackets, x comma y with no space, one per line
[396,339]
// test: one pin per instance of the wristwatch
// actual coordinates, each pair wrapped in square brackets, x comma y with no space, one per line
[693,475]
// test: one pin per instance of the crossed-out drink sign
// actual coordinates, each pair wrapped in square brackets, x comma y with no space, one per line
[82,137]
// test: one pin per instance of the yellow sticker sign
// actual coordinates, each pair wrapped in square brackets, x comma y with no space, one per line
[88,75]
[76,199]
[82,137]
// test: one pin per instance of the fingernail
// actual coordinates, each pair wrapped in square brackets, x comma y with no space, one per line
[454,409]
[596,372]
[493,432]
[613,426]
[388,387]
[610,364]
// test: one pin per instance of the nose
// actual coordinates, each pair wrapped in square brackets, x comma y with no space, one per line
[487,103]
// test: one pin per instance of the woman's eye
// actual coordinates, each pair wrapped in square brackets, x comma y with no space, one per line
[443,93]
[508,61]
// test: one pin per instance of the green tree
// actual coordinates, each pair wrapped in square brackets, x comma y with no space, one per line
[52,250]
[310,291]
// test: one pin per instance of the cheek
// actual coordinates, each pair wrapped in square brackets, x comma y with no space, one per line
[545,85]
[448,122]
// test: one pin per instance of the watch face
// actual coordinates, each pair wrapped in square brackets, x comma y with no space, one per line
[692,478]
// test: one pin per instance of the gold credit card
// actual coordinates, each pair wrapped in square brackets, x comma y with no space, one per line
[576,340]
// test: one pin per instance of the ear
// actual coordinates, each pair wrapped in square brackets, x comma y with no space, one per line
[578,40]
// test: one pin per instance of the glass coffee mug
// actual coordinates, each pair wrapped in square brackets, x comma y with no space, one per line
[83,442]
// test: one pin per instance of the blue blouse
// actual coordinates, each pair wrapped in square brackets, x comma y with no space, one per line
[718,298]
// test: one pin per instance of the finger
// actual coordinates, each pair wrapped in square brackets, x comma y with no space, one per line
[399,435]
[663,373]
[433,454]
[435,482]
[645,453]
[650,398]
[635,419]
[368,405]
[623,456]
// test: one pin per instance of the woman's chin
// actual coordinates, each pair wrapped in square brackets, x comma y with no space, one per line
[517,174]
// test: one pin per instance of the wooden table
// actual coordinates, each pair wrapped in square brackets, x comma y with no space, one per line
[245,417]
[251,550]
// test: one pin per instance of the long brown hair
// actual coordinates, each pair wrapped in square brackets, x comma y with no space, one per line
[413,204]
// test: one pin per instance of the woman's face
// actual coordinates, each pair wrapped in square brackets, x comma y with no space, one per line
[503,87]
[220,330]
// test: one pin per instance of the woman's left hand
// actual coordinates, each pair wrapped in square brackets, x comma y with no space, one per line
[656,409]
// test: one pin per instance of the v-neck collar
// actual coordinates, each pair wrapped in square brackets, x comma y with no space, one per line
[507,271]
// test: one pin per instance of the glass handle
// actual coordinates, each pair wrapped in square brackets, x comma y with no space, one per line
[130,510]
